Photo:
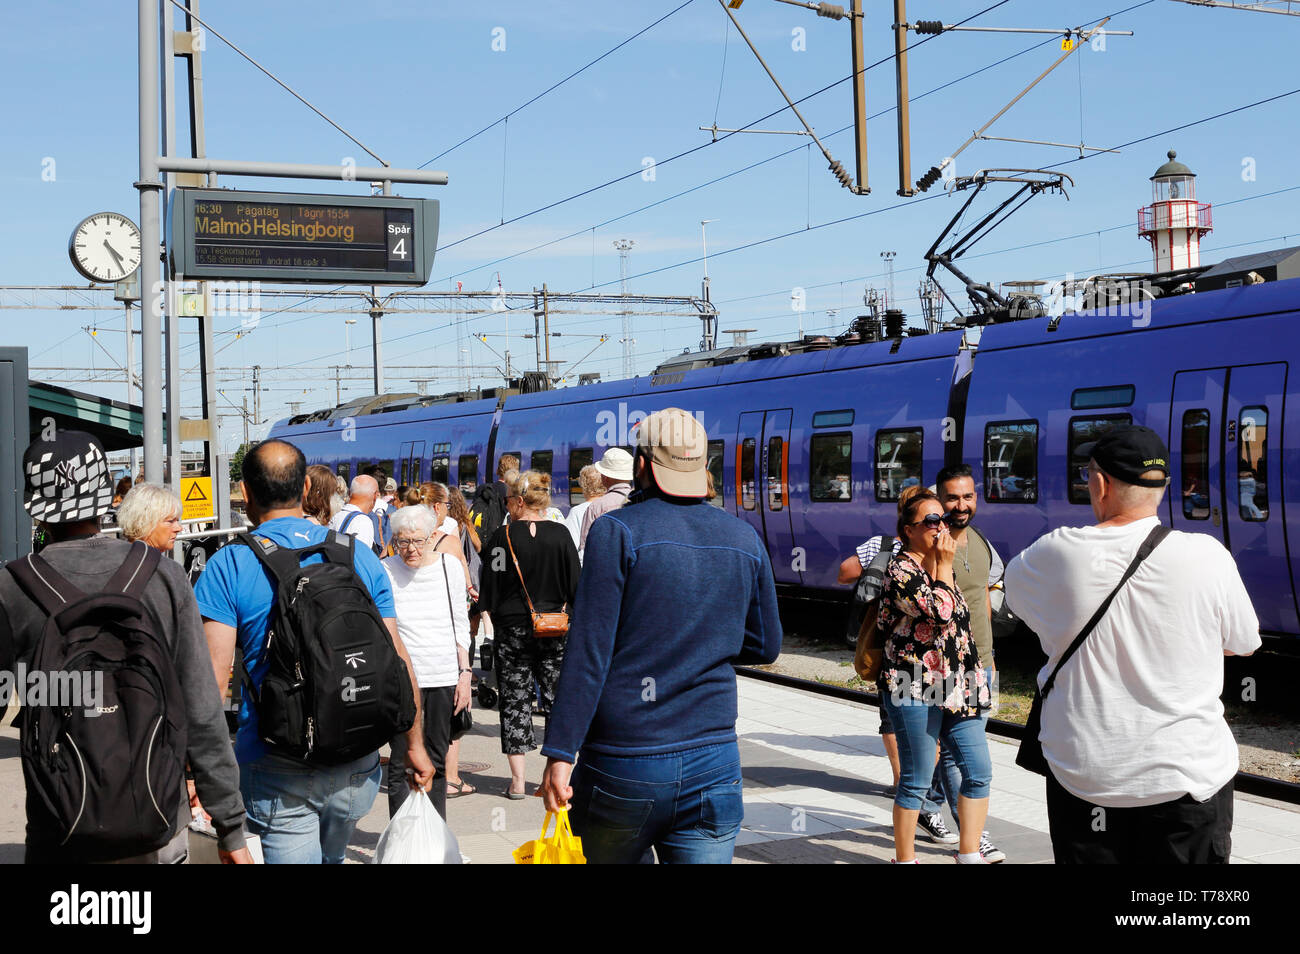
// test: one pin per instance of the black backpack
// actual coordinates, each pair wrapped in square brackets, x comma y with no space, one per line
[335,688]
[488,511]
[105,781]
[867,590]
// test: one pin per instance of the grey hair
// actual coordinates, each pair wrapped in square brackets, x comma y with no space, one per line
[418,519]
[590,482]
[363,485]
[146,506]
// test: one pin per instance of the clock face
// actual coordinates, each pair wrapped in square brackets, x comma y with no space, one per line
[105,247]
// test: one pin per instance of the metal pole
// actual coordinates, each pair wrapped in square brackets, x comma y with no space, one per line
[245,422]
[546,329]
[377,337]
[150,231]
[130,375]
[537,332]
[300,170]
[257,395]
[171,318]
[904,115]
[859,96]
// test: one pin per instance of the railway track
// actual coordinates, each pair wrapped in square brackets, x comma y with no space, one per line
[1250,784]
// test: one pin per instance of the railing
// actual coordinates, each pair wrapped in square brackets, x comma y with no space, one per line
[1175,214]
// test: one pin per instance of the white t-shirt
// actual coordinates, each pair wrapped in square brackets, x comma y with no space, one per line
[361,527]
[1135,718]
[574,523]
[450,527]
[430,624]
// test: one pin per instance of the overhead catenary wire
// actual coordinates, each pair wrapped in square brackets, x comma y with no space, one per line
[555,86]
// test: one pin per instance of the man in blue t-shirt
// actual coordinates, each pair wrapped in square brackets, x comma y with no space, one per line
[303,813]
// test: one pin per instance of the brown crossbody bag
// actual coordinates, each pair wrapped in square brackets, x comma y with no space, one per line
[544,624]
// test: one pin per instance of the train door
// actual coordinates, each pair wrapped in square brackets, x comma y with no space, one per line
[1225,427]
[1252,478]
[1195,429]
[763,486]
[411,462]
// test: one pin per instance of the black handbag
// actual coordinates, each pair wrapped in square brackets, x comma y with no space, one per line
[1030,755]
[462,721]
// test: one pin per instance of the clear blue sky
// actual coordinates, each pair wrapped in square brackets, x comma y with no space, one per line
[412,79]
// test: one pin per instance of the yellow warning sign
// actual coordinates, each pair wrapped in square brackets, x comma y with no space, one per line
[1067,43]
[196,498]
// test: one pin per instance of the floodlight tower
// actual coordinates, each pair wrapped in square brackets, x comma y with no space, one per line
[624,246]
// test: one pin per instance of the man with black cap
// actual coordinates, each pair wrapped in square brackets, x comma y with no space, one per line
[673,593]
[1141,761]
[68,488]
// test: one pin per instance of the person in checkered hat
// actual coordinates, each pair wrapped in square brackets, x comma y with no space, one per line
[68,488]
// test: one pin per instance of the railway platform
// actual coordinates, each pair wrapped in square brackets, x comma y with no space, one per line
[815,793]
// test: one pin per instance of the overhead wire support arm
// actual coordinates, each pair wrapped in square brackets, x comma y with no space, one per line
[936,172]
[930,27]
[836,168]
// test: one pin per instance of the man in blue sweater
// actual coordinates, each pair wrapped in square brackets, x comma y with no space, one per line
[673,593]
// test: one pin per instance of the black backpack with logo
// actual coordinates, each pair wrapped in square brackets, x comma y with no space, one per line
[488,511]
[105,772]
[335,688]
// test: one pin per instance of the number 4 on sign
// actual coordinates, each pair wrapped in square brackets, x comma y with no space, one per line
[399,250]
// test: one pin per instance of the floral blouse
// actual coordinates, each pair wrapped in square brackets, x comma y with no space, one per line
[929,652]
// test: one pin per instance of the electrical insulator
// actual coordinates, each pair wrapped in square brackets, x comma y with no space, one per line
[831,11]
[929,179]
[846,180]
[928,26]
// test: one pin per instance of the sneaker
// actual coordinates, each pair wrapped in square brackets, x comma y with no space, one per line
[936,829]
[956,856]
[991,852]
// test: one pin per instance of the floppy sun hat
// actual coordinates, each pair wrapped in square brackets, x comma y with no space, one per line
[616,464]
[67,479]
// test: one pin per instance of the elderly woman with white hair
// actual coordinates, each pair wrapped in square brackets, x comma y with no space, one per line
[432,619]
[151,513]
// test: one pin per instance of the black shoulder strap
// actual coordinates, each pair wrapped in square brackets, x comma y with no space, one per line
[50,591]
[886,553]
[135,572]
[1152,541]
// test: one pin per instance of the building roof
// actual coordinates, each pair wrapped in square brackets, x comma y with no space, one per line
[1259,260]
[117,425]
[1173,168]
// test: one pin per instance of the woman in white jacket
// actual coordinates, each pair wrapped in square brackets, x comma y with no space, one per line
[433,621]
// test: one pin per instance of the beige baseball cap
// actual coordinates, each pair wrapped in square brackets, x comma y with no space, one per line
[677,444]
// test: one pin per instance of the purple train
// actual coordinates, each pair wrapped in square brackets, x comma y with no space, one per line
[813,447]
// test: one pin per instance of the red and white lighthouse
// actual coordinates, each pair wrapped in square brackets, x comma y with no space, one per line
[1174,221]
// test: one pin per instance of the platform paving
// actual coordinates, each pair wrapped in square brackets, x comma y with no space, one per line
[815,793]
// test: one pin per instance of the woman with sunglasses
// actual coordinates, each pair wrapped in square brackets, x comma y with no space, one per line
[933,681]
[429,596]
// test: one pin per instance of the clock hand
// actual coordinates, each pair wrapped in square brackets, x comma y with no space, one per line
[112,251]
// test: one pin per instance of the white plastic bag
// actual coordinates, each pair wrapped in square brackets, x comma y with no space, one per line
[417,835]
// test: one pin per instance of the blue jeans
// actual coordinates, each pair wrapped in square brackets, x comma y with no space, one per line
[919,728]
[686,805]
[946,784]
[305,814]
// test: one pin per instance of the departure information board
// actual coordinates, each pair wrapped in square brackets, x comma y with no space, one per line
[282,237]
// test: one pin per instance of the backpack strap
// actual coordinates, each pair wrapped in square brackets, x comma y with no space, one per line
[47,589]
[135,572]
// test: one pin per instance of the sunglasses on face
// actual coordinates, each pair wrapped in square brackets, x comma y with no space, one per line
[933,521]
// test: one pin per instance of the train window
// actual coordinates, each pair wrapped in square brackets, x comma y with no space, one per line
[467,473]
[831,468]
[345,471]
[541,462]
[833,418]
[1084,430]
[1252,468]
[898,461]
[1117,396]
[579,458]
[404,479]
[1196,464]
[776,473]
[745,472]
[715,452]
[1011,462]
[440,463]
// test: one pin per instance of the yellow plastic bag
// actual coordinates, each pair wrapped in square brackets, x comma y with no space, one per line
[561,848]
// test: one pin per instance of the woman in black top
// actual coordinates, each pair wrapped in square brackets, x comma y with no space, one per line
[548,562]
